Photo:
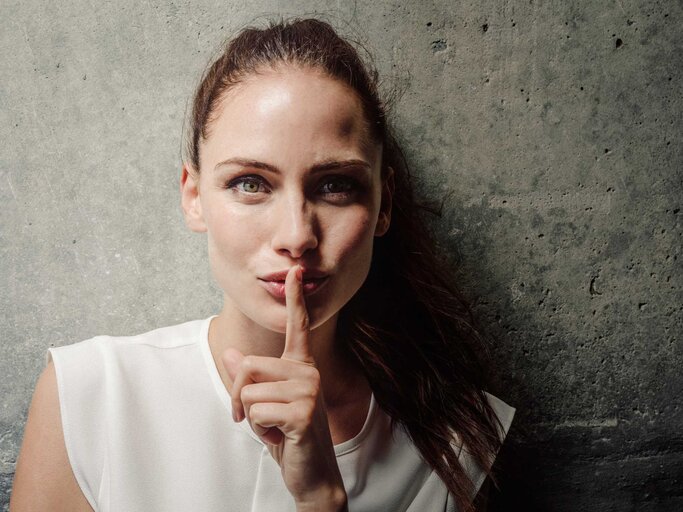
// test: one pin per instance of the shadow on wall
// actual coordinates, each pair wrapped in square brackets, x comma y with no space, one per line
[532,467]
[557,456]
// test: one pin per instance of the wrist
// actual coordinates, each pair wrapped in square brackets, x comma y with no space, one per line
[331,499]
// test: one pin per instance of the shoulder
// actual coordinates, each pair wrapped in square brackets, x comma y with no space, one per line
[65,437]
[83,368]
[88,356]
[504,415]
[171,336]
[44,479]
[504,412]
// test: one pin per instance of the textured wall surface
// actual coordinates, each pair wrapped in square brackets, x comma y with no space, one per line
[554,125]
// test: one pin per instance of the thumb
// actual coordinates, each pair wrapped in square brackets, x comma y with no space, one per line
[231,359]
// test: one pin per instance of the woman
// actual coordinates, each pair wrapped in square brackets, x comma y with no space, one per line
[343,371]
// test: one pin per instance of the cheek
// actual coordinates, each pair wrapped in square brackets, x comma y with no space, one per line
[233,232]
[352,236]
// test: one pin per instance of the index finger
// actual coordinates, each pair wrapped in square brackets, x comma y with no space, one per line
[296,337]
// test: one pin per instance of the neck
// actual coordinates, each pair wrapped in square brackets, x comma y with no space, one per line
[341,379]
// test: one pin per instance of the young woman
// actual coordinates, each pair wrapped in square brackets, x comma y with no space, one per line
[343,371]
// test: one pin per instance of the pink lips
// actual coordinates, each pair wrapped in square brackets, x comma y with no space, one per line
[275,283]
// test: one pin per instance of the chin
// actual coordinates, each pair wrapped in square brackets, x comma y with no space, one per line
[277,321]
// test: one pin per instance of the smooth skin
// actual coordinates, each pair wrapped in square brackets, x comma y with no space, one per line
[43,479]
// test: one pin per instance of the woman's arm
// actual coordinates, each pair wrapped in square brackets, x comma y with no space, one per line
[44,479]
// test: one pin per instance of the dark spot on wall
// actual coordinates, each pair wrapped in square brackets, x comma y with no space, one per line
[619,42]
[536,220]
[439,45]
[73,241]
[618,243]
[592,289]
[485,27]
[429,23]
[556,211]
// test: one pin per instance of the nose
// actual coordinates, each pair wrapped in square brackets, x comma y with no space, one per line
[295,226]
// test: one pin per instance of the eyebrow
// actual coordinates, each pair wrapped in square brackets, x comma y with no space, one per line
[325,165]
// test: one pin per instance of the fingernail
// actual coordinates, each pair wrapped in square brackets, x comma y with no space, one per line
[236,416]
[299,274]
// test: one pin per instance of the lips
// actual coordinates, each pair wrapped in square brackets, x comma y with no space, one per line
[274,283]
[309,275]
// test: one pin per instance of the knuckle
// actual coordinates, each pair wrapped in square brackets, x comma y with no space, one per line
[249,363]
[310,390]
[247,394]
[256,411]
[316,381]
[314,376]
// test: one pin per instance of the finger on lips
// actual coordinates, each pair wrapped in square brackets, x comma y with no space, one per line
[258,382]
[296,337]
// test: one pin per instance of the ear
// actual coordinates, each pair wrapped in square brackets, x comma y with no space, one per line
[190,200]
[384,219]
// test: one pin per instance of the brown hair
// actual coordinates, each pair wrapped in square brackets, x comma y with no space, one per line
[409,328]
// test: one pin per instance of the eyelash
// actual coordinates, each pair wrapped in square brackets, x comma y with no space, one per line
[351,185]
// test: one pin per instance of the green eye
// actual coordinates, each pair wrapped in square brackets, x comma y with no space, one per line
[250,186]
[247,184]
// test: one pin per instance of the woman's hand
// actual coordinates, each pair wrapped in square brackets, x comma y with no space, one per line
[282,400]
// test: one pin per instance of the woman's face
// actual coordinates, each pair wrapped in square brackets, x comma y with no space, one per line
[288,176]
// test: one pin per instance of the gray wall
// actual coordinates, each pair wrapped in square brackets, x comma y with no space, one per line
[556,127]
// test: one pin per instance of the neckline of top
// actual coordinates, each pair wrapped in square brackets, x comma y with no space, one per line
[339,449]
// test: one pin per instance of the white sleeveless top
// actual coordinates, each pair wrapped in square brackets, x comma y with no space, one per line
[148,427]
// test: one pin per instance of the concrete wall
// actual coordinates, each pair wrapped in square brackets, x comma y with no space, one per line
[556,126]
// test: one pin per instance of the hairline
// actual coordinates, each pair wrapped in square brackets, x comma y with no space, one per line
[277,67]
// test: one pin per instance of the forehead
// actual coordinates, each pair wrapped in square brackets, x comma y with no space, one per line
[289,106]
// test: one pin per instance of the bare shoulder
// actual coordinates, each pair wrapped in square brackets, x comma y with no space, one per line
[44,479]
